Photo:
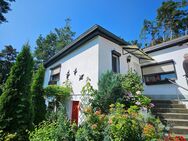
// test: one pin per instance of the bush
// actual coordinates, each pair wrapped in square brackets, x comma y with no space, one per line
[119,125]
[46,131]
[110,90]
[16,114]
[132,82]
[59,129]
[37,92]
[126,89]
[93,127]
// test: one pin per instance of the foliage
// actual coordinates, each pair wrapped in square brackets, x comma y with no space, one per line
[126,89]
[65,129]
[7,59]
[44,132]
[59,129]
[5,7]
[56,95]
[110,90]
[37,92]
[171,21]
[135,42]
[7,137]
[132,82]
[93,127]
[119,125]
[60,92]
[15,108]
[53,42]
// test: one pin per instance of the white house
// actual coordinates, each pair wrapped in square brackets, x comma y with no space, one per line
[168,63]
[98,50]
[91,54]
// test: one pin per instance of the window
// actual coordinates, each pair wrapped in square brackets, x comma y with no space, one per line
[55,75]
[115,61]
[159,73]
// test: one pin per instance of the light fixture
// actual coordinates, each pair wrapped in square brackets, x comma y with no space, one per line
[129,59]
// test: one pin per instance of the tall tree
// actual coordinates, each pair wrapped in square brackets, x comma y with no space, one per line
[16,114]
[170,22]
[4,8]
[53,42]
[38,95]
[7,59]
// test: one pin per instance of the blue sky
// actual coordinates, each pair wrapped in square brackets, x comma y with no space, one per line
[30,18]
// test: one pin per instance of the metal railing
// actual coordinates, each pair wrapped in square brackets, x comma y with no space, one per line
[176,84]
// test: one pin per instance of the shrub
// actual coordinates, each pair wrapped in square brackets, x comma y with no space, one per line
[119,125]
[46,131]
[37,92]
[93,127]
[59,129]
[15,102]
[110,90]
[126,89]
[132,82]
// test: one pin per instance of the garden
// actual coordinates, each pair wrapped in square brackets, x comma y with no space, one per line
[117,111]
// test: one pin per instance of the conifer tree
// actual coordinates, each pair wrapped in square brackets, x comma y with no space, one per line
[37,95]
[15,102]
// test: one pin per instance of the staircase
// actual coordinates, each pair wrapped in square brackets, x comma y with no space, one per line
[174,113]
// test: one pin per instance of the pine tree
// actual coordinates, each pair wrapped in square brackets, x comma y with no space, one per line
[37,94]
[15,102]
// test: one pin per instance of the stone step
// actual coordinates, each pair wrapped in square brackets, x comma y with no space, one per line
[180,130]
[172,115]
[159,105]
[165,101]
[176,122]
[169,110]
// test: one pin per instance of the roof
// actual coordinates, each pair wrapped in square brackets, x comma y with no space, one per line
[83,38]
[171,43]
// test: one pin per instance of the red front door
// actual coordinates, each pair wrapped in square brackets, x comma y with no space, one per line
[75,111]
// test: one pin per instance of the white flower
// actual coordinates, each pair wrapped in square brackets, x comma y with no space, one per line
[138,92]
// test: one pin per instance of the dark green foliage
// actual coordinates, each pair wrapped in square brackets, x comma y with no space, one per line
[38,95]
[15,102]
[4,8]
[171,22]
[110,90]
[53,42]
[7,59]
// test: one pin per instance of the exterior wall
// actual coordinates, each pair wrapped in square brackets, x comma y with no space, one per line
[91,59]
[105,58]
[85,59]
[169,91]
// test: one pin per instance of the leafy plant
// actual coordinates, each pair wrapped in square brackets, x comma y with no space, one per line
[16,114]
[46,131]
[59,129]
[38,100]
[131,82]
[110,90]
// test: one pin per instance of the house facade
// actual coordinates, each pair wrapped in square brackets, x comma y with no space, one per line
[168,63]
[98,50]
[90,55]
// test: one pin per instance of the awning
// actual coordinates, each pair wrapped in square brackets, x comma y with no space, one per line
[134,50]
